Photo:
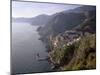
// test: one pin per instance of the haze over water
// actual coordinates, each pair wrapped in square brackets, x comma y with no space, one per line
[25,46]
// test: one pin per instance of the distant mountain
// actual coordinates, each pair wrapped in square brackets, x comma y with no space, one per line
[38,20]
[62,22]
[22,19]
[67,20]
[81,9]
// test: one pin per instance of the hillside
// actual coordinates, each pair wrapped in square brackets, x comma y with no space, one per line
[79,55]
[88,25]
[71,39]
[62,21]
[66,20]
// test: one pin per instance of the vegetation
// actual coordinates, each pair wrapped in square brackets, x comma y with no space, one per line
[78,56]
[84,55]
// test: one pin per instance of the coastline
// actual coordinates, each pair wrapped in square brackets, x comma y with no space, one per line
[64,62]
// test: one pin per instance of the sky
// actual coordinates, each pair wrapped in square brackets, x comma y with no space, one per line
[32,9]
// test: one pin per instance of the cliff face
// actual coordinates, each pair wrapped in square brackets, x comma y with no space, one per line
[75,49]
[84,56]
[76,54]
[71,39]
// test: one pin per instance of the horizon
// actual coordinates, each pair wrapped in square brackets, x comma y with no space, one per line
[26,9]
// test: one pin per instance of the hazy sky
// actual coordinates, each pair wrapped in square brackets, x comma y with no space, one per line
[31,9]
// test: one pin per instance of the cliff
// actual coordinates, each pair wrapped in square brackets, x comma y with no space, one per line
[77,54]
[71,39]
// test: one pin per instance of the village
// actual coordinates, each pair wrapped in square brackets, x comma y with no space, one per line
[68,38]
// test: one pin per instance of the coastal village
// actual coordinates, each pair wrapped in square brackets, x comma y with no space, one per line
[68,38]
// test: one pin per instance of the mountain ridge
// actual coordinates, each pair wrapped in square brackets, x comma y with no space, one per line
[37,20]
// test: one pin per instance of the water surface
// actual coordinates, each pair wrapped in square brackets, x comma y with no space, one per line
[25,47]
